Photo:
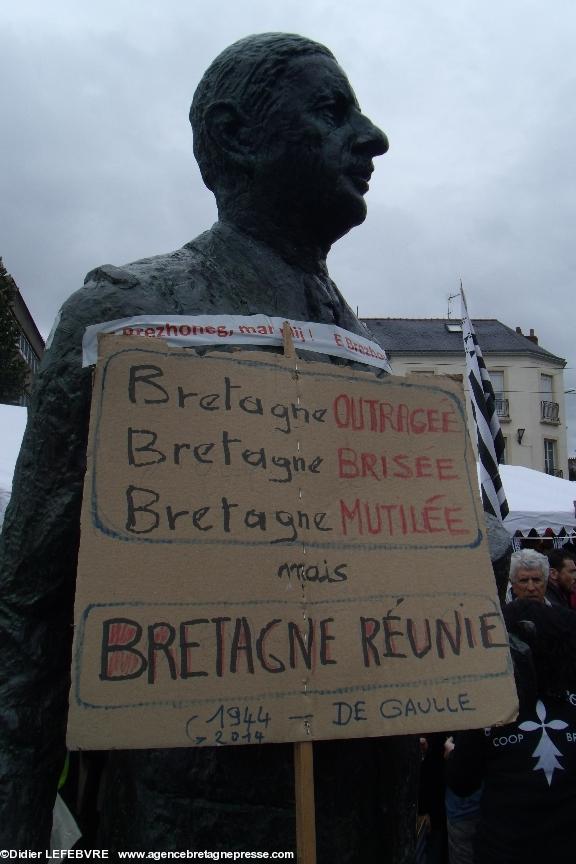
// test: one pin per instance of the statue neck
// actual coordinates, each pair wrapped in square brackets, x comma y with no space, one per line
[287,240]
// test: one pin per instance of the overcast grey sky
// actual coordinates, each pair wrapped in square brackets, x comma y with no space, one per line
[476,98]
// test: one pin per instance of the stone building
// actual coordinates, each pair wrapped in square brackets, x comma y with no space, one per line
[528,380]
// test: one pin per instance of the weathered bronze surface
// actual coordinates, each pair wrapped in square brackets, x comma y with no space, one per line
[283,145]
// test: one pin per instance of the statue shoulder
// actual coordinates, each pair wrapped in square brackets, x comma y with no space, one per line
[143,287]
[148,279]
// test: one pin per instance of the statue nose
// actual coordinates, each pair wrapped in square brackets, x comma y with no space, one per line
[371,139]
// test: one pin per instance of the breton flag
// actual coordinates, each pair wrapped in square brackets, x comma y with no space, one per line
[490,438]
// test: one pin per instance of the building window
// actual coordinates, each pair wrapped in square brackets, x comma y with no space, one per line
[550,458]
[501,403]
[504,458]
[28,352]
[547,387]
[549,409]
[497,378]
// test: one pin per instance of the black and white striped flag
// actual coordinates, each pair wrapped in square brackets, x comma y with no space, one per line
[490,438]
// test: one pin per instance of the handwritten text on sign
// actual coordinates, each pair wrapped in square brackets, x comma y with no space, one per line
[295,541]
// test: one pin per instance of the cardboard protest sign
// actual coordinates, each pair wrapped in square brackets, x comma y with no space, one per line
[279,550]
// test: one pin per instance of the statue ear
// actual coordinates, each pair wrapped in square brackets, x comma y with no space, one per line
[230,132]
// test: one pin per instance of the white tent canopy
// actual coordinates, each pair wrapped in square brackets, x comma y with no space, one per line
[538,501]
[12,424]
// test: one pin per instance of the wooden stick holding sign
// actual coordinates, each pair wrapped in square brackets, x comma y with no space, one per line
[289,352]
[303,750]
[305,809]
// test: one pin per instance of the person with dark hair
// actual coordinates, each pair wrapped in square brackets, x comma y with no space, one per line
[528,768]
[283,144]
[570,548]
[561,577]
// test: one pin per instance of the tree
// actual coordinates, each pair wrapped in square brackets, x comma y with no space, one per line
[13,368]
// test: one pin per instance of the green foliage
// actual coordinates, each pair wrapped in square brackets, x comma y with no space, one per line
[13,368]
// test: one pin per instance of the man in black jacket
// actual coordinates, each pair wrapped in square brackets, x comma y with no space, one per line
[527,768]
[560,578]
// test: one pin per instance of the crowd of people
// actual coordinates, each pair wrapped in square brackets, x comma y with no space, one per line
[507,794]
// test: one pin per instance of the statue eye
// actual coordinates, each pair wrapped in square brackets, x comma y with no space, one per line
[335,110]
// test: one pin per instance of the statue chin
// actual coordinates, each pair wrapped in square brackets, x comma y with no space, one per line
[344,215]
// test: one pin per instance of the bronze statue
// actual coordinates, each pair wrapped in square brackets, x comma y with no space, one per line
[282,143]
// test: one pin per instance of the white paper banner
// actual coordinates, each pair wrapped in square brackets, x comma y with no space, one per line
[238,330]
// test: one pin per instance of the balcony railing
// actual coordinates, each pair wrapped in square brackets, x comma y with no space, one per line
[549,412]
[502,408]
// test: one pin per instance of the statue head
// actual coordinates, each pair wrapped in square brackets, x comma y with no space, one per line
[277,127]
